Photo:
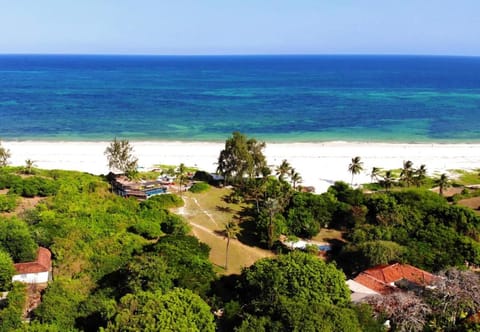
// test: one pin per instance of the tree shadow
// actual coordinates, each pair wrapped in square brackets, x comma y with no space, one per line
[225,209]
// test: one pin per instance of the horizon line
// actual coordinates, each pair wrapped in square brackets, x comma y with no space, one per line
[240,54]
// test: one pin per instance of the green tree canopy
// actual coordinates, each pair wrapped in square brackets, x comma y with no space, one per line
[120,156]
[6,270]
[295,292]
[16,239]
[177,310]
[241,157]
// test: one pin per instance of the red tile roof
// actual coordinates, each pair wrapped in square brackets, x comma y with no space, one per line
[42,264]
[381,278]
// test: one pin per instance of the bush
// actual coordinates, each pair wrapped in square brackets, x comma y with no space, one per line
[11,315]
[8,203]
[7,181]
[199,187]
[166,201]
[6,270]
[34,186]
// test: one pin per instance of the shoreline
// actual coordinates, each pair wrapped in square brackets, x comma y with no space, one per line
[319,163]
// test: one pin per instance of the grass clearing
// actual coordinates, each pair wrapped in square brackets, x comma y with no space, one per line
[207,213]
[328,235]
[467,177]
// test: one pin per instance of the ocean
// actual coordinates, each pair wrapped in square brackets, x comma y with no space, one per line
[272,98]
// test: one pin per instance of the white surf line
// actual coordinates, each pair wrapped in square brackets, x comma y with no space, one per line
[206,212]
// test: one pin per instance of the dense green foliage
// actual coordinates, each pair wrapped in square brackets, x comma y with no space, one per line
[166,201]
[7,270]
[414,226]
[294,292]
[29,186]
[17,240]
[176,310]
[8,203]
[241,157]
[11,312]
[199,187]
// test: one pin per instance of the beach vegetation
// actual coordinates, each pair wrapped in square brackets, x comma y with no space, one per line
[467,177]
[199,187]
[241,157]
[355,167]
[9,202]
[4,155]
[181,176]
[283,169]
[407,173]
[29,165]
[121,158]
[443,183]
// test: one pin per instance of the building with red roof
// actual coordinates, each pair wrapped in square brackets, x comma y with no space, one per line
[385,279]
[36,272]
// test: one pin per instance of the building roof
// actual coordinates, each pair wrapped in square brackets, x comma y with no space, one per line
[43,263]
[381,278]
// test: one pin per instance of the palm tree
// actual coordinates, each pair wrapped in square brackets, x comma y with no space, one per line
[231,230]
[283,169]
[420,175]
[374,174]
[29,164]
[295,177]
[355,167]
[407,173]
[443,183]
[181,176]
[388,180]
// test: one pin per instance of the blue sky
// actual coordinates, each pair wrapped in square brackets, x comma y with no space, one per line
[241,26]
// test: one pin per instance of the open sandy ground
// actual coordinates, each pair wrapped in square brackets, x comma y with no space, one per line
[320,164]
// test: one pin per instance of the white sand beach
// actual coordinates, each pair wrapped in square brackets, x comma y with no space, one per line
[320,164]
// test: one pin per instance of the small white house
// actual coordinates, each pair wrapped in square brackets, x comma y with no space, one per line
[37,272]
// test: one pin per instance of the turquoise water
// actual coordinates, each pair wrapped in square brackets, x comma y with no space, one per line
[274,98]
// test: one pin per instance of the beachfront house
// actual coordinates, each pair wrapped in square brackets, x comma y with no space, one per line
[386,279]
[141,190]
[36,272]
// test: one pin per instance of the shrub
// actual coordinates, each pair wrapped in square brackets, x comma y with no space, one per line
[199,187]
[165,201]
[8,203]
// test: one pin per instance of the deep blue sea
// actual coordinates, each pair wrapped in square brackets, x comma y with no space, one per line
[273,98]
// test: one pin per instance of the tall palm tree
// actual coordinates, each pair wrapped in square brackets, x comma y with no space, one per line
[283,169]
[374,174]
[420,175]
[443,183]
[231,230]
[295,178]
[181,175]
[355,167]
[388,179]
[407,173]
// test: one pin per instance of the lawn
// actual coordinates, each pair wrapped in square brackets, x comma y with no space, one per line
[207,213]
